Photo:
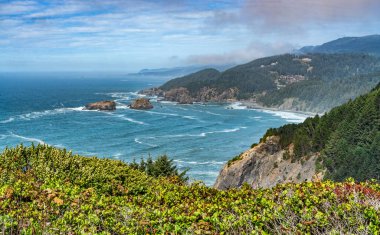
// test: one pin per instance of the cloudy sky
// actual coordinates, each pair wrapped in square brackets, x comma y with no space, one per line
[128,35]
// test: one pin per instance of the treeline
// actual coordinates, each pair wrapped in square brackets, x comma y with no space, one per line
[348,138]
[163,166]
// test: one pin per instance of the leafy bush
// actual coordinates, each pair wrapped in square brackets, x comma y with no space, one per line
[162,166]
[44,190]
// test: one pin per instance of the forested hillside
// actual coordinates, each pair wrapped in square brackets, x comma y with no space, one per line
[347,138]
[367,44]
[318,95]
[296,82]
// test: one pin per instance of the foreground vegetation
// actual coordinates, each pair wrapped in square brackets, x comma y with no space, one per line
[44,190]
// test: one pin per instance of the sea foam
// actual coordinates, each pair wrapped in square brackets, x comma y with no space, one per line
[27,138]
[11,119]
[288,116]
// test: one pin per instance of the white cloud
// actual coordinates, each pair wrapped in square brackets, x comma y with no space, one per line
[252,51]
[17,7]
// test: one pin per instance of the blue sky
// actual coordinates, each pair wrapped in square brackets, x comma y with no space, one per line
[128,35]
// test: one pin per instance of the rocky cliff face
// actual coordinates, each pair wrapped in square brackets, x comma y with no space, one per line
[180,95]
[266,165]
[183,96]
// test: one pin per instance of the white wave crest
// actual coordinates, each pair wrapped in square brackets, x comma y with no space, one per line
[173,115]
[203,134]
[123,117]
[34,115]
[200,163]
[137,140]
[288,116]
[11,119]
[168,102]
[236,105]
[27,138]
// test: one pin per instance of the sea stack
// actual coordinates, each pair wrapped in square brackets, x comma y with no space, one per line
[101,106]
[141,103]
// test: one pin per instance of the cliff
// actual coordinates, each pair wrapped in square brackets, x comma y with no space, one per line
[343,143]
[265,166]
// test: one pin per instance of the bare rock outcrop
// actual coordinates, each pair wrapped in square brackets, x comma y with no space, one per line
[152,92]
[183,96]
[266,165]
[101,106]
[180,95]
[141,103]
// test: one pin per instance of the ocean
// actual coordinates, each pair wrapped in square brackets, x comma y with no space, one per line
[47,108]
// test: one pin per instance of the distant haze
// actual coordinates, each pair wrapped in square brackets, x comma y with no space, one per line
[126,36]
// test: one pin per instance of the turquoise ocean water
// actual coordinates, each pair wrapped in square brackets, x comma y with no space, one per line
[47,109]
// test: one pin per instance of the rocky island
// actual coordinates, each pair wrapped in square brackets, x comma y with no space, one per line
[141,103]
[101,106]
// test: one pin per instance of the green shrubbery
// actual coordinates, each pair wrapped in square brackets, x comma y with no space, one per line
[44,190]
[162,166]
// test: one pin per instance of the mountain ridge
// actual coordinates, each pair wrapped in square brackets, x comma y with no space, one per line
[279,82]
[365,44]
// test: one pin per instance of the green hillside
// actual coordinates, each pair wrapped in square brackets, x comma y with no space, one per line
[367,44]
[44,190]
[318,95]
[309,80]
[348,138]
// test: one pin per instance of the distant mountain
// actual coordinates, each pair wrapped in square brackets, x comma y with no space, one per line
[344,142]
[178,71]
[367,44]
[310,82]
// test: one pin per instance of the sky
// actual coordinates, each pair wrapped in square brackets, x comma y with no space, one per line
[129,35]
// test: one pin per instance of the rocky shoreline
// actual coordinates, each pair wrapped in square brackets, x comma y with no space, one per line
[181,96]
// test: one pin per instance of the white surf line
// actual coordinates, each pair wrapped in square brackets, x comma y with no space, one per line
[203,134]
[289,116]
[27,138]
[168,114]
[123,117]
[137,140]
[200,163]
[11,119]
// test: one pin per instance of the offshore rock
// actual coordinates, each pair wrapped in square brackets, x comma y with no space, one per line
[101,106]
[141,103]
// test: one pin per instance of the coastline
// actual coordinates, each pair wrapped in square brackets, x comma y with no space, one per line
[245,104]
[254,105]
[158,95]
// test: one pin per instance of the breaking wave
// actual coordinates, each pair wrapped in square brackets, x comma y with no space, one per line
[35,140]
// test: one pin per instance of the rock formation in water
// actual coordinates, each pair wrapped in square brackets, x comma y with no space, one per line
[141,103]
[101,105]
